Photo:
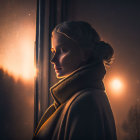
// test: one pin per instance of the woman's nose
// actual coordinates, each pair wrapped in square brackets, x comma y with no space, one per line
[53,60]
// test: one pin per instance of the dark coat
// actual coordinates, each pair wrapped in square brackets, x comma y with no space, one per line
[81,110]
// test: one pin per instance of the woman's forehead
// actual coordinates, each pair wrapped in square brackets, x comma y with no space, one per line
[58,40]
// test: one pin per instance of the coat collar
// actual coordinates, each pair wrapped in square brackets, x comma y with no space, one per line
[88,76]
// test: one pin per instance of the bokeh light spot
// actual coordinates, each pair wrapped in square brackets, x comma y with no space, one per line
[116,85]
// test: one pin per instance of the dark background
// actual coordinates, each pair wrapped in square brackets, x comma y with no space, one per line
[117,22]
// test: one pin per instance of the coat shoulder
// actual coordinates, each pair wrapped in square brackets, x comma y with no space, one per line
[90,117]
[93,102]
[90,98]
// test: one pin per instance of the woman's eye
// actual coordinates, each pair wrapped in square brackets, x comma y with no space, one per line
[64,50]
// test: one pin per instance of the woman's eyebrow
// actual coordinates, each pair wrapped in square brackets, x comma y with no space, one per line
[52,50]
[57,47]
[60,45]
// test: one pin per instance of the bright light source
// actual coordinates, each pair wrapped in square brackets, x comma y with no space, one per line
[18,57]
[116,85]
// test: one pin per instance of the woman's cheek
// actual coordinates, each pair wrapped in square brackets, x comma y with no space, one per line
[64,58]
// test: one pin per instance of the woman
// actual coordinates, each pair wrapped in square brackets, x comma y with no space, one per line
[81,110]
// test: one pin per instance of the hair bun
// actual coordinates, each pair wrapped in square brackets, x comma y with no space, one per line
[103,51]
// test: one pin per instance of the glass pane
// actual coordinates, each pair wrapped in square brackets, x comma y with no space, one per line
[17,37]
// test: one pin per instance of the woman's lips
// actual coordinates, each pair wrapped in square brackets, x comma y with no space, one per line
[57,68]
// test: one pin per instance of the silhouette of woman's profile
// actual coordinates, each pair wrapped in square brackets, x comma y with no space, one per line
[81,110]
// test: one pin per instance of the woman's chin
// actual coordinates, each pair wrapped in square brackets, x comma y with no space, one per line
[60,75]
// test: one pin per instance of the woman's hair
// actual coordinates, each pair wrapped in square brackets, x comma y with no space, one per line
[83,34]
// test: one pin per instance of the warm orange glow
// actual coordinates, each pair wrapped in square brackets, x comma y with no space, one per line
[116,85]
[35,71]
[18,52]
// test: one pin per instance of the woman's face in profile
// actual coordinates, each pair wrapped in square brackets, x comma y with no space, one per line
[67,57]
